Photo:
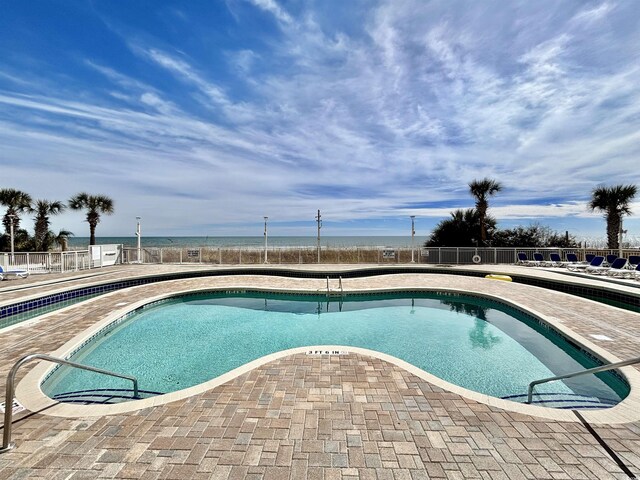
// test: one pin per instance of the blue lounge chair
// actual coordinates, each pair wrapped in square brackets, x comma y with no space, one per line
[636,273]
[596,262]
[572,259]
[555,260]
[588,257]
[618,268]
[609,259]
[617,265]
[523,259]
[634,261]
[16,273]
[538,260]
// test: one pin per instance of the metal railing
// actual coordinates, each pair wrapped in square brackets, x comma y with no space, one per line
[254,255]
[47,262]
[10,386]
[602,368]
[335,292]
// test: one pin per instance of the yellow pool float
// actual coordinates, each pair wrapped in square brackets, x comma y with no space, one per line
[494,276]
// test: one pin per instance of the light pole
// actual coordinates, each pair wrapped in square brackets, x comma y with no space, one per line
[413,234]
[139,235]
[319,220]
[265,240]
[621,232]
[12,217]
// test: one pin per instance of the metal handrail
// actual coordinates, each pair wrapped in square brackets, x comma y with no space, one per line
[602,368]
[8,412]
[339,286]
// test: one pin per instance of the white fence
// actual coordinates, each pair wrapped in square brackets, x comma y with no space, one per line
[47,262]
[345,255]
[465,255]
[104,255]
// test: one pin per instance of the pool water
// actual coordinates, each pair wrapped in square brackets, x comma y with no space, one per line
[476,343]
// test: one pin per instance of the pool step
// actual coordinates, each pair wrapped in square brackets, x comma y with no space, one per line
[103,396]
[564,400]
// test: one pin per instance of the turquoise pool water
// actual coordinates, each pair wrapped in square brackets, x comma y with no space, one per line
[476,343]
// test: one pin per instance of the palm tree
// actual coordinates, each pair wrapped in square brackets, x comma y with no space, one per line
[482,190]
[614,203]
[461,230]
[95,205]
[16,202]
[61,238]
[43,209]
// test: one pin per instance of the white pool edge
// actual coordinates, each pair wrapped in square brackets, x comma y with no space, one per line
[29,393]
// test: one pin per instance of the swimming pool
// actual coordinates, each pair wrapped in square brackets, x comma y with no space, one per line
[477,343]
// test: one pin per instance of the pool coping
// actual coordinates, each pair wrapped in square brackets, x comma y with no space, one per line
[28,391]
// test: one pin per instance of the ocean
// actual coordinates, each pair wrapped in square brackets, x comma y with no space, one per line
[377,241]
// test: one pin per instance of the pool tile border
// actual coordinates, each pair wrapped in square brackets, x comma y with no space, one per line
[28,308]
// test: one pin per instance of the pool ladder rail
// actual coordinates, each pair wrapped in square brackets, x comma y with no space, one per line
[335,293]
[10,386]
[601,368]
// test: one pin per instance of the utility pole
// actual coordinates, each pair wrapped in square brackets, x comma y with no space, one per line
[319,220]
[413,234]
[265,240]
[11,219]
[139,235]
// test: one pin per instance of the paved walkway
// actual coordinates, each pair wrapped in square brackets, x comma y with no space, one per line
[325,417]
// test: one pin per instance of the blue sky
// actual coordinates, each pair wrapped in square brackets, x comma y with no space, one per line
[203,116]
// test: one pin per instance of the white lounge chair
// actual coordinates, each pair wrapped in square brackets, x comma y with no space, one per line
[16,273]
[595,263]
[555,260]
[618,265]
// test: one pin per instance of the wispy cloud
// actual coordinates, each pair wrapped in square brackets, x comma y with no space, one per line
[404,102]
[274,8]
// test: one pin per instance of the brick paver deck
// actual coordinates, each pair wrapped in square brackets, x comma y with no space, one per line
[325,417]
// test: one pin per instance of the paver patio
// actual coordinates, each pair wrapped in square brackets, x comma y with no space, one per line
[325,417]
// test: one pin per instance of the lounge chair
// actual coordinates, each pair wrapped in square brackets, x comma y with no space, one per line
[555,260]
[572,259]
[538,260]
[619,268]
[634,261]
[16,273]
[523,260]
[636,273]
[609,259]
[596,268]
[617,265]
[588,257]
[596,262]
